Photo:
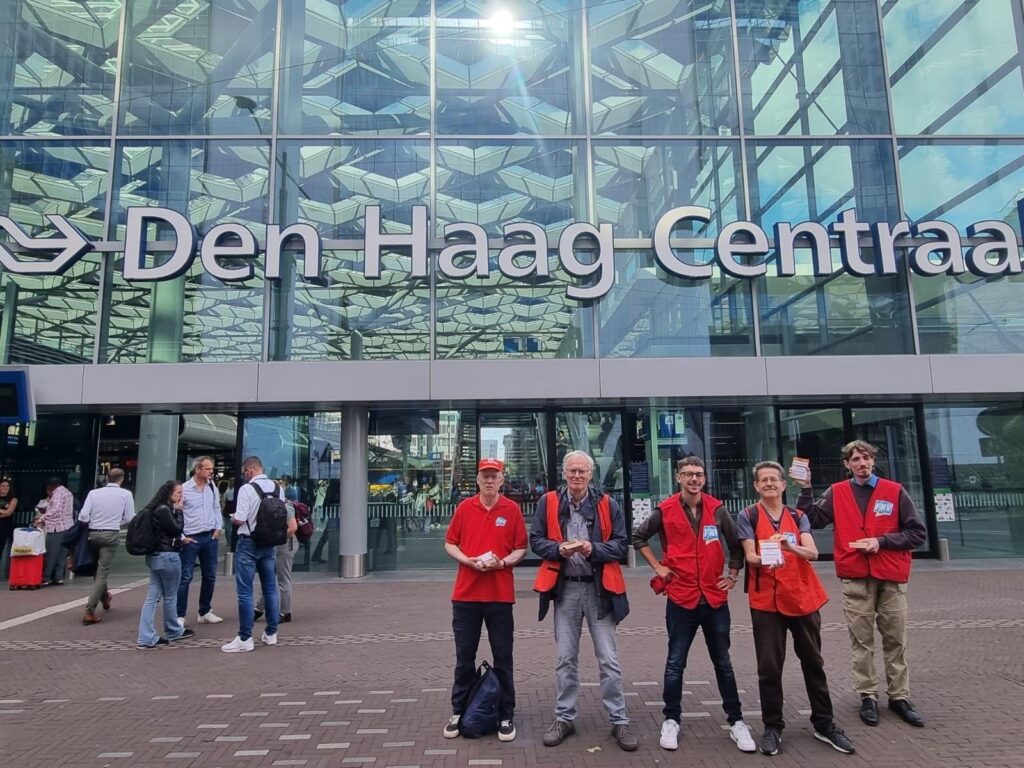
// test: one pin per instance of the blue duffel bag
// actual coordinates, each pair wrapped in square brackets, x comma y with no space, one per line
[481,715]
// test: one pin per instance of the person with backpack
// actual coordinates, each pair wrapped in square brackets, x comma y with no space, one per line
[261,519]
[283,560]
[486,537]
[695,530]
[785,598]
[160,527]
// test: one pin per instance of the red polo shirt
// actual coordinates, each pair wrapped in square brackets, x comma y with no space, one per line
[475,530]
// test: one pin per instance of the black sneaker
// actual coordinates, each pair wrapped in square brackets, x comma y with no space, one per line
[285,618]
[771,741]
[506,730]
[835,738]
[451,728]
[257,615]
[185,635]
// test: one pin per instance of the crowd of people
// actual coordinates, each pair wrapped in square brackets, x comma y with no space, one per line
[579,533]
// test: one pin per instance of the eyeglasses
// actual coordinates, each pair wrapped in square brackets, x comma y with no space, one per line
[577,472]
[691,475]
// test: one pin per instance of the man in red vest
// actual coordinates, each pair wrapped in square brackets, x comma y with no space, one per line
[487,537]
[580,534]
[694,527]
[876,527]
[785,597]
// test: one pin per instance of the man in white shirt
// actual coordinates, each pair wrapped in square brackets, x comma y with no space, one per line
[203,525]
[251,559]
[106,510]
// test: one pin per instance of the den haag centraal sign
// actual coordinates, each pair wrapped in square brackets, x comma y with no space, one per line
[930,248]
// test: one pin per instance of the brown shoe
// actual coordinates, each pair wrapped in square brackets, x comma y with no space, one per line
[90,618]
[627,741]
[106,600]
[559,731]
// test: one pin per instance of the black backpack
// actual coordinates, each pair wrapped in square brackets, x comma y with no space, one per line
[481,715]
[141,538]
[271,528]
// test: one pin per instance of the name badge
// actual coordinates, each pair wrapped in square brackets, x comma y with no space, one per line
[710,533]
[791,537]
[500,522]
[883,508]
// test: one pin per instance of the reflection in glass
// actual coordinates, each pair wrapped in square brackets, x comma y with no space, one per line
[52,318]
[599,434]
[811,67]
[661,67]
[493,184]
[198,66]
[975,455]
[354,67]
[649,313]
[329,184]
[955,67]
[840,313]
[508,69]
[345,316]
[521,441]
[195,317]
[636,181]
[58,63]
[962,184]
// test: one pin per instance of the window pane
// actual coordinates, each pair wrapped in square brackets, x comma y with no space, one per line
[636,181]
[839,313]
[954,66]
[356,68]
[199,66]
[976,452]
[649,313]
[493,184]
[58,62]
[812,67]
[516,69]
[53,317]
[661,67]
[962,184]
[194,317]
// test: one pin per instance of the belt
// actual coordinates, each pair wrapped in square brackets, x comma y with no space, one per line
[209,532]
[581,579]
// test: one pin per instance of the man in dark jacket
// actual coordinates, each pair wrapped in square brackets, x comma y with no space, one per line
[580,534]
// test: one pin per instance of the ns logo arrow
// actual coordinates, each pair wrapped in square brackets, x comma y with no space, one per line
[69,248]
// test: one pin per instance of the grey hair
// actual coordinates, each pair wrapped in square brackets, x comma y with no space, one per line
[769,465]
[199,460]
[576,454]
[251,462]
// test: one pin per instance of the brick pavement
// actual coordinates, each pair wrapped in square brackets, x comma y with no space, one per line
[361,678]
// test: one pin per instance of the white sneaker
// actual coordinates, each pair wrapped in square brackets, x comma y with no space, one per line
[181,622]
[669,735]
[238,645]
[210,618]
[741,735]
[269,639]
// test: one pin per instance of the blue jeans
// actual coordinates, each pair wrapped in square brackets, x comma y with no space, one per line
[682,624]
[205,550]
[250,560]
[164,575]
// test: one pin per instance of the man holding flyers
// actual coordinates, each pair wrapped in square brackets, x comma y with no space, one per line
[487,537]
[695,528]
[785,596]
[876,527]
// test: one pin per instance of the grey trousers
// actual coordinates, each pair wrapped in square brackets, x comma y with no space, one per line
[104,545]
[578,601]
[55,566]
[285,558]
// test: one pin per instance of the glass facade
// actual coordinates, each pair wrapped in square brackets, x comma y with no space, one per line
[257,111]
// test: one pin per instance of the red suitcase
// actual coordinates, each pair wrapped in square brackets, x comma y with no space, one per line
[26,572]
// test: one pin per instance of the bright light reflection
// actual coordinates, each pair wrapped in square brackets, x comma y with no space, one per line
[502,22]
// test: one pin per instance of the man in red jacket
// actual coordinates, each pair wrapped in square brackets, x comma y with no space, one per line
[876,527]
[694,527]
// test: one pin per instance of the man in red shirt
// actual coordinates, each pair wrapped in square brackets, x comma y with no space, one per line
[487,537]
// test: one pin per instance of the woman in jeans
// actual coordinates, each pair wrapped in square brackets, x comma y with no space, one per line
[164,567]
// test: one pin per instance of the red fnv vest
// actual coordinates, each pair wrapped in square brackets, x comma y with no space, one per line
[792,589]
[547,574]
[697,561]
[881,517]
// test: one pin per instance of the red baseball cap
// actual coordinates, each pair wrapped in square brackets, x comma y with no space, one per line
[492,464]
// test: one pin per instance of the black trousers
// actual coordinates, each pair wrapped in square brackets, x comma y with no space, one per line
[467,621]
[770,630]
